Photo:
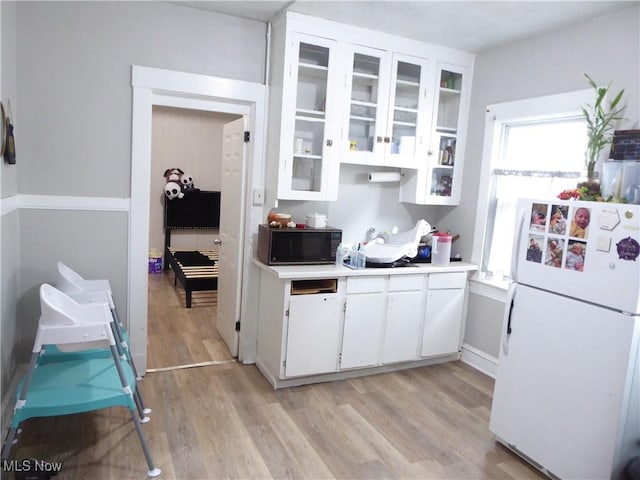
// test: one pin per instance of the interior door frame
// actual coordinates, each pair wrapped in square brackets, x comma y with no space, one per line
[153,86]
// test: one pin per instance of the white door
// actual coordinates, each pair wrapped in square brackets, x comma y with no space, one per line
[231,232]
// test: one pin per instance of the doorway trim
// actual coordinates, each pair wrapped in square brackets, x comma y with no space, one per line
[153,86]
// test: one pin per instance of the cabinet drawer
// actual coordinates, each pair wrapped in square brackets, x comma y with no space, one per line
[403,283]
[365,284]
[447,280]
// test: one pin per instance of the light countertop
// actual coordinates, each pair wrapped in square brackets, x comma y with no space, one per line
[324,271]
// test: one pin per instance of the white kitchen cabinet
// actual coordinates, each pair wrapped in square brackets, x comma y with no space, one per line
[438,180]
[390,108]
[405,314]
[313,334]
[343,94]
[364,319]
[443,319]
[307,118]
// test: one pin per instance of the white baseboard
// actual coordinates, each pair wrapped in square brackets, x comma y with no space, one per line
[479,360]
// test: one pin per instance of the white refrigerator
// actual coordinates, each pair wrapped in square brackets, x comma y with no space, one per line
[567,391]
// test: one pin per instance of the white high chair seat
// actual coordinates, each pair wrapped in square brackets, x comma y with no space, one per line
[86,291]
[79,385]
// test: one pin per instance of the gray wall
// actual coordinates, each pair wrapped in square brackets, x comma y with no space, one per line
[9,221]
[74,77]
[72,102]
[607,48]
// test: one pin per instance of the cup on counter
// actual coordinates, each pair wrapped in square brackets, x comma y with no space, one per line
[441,248]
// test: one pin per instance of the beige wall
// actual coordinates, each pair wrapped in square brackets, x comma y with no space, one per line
[192,141]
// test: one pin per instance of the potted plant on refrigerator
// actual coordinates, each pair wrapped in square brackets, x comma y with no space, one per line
[601,118]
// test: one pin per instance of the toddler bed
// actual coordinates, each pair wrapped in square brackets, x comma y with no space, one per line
[197,270]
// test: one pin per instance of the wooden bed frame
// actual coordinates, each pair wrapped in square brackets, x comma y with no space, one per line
[196,270]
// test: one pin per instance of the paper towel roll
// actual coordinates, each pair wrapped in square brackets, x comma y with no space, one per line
[378,177]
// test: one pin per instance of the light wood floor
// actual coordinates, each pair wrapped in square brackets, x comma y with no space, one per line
[226,421]
[178,335]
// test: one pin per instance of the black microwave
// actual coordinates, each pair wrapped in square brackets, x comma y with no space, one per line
[298,246]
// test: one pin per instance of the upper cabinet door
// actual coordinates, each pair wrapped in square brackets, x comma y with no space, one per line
[365,125]
[449,119]
[437,181]
[410,107]
[390,108]
[309,166]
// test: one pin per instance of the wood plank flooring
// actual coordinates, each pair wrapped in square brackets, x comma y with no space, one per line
[178,335]
[226,421]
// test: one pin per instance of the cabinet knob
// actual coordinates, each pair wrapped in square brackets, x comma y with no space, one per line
[387,139]
[429,152]
[329,142]
[379,139]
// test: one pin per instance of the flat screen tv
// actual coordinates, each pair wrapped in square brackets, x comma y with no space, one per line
[197,209]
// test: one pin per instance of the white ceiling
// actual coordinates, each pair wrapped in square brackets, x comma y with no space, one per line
[467,25]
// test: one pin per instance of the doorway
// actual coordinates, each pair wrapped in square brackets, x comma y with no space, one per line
[181,335]
[151,87]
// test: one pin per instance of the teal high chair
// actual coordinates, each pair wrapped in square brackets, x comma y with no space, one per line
[78,385]
[73,284]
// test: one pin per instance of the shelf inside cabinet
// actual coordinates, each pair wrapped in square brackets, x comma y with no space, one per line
[362,119]
[311,287]
[367,76]
[307,116]
[407,83]
[311,67]
[405,124]
[307,155]
[449,91]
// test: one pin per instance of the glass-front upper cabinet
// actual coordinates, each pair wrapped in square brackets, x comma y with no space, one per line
[309,167]
[409,120]
[367,110]
[445,173]
[389,109]
[437,181]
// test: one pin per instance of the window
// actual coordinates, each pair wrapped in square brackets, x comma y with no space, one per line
[535,149]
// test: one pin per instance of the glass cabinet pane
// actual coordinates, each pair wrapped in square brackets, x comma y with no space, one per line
[405,109]
[310,121]
[364,102]
[441,182]
[313,68]
[449,101]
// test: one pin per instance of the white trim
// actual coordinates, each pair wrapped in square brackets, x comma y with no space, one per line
[199,104]
[479,360]
[558,105]
[59,202]
[186,90]
[488,289]
[9,205]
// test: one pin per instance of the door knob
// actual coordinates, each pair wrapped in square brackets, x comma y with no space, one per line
[217,241]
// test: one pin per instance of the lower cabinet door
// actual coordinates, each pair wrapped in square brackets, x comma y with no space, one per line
[364,319]
[443,322]
[405,313]
[313,336]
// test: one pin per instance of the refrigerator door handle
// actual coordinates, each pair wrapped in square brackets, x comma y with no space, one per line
[509,303]
[516,244]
